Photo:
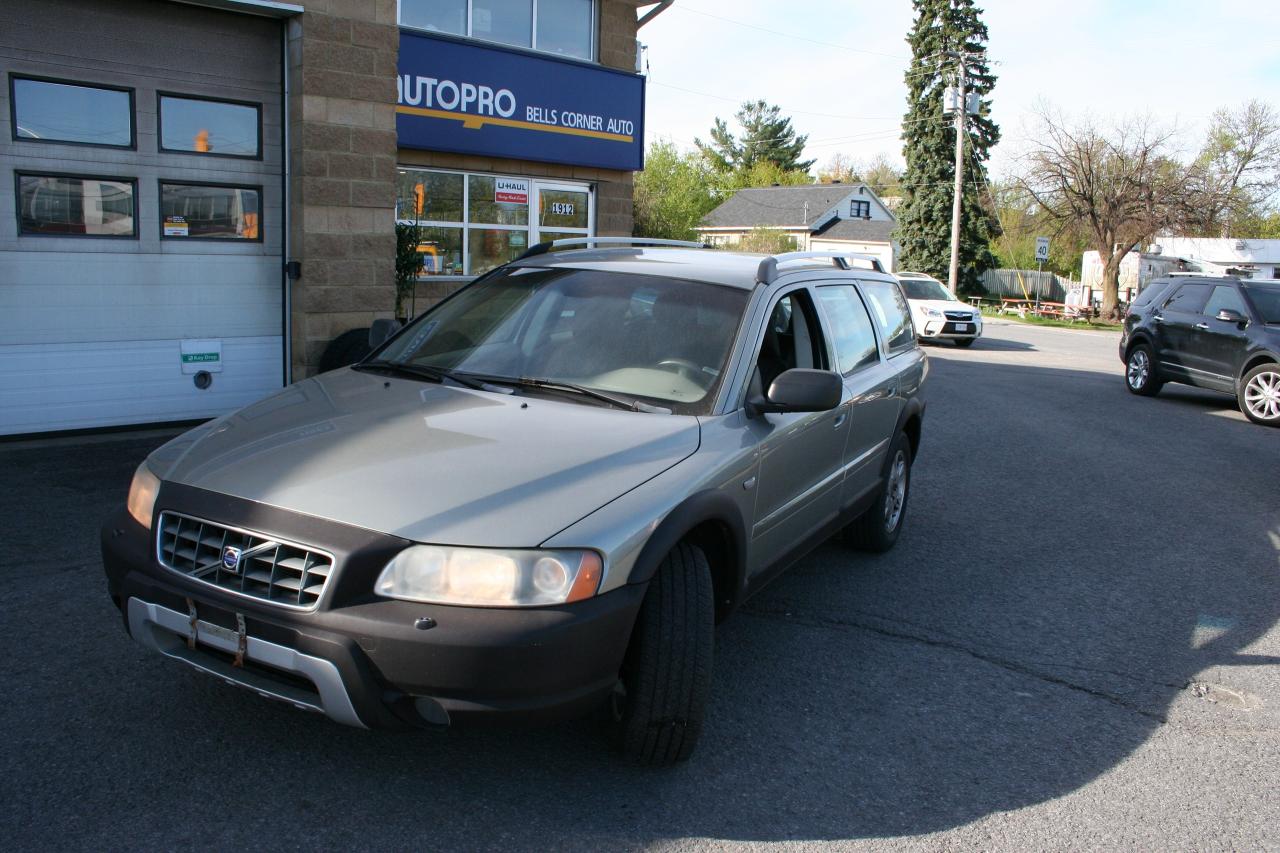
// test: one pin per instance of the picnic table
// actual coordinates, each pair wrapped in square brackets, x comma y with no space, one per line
[1063,311]
[1016,306]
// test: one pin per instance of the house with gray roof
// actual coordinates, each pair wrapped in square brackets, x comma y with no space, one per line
[819,217]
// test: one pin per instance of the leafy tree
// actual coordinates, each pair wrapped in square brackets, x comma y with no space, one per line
[944,27]
[408,263]
[767,135]
[763,174]
[1238,171]
[673,193]
[882,175]
[766,240]
[1022,221]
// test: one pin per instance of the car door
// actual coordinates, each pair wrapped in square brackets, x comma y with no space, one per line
[870,388]
[798,485]
[1175,323]
[1222,343]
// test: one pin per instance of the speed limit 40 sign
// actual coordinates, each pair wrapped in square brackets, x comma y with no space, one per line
[1042,249]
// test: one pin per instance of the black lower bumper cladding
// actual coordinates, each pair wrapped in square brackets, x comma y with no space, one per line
[392,663]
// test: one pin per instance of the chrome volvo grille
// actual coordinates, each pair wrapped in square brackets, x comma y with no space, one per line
[243,562]
[962,316]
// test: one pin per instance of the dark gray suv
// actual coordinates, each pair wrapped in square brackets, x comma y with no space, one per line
[537,498]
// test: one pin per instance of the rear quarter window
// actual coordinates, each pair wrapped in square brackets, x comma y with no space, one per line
[1155,290]
[890,312]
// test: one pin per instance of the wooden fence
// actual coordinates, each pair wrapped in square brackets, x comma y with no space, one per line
[1044,285]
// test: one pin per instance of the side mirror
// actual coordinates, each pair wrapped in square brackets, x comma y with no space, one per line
[799,390]
[1231,315]
[381,330]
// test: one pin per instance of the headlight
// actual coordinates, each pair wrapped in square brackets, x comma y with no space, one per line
[142,495]
[490,578]
[931,312]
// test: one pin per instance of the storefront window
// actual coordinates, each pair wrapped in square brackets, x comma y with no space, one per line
[442,16]
[470,224]
[200,126]
[210,212]
[48,111]
[564,27]
[74,206]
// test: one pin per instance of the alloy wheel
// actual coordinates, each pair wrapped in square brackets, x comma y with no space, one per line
[896,493]
[1262,396]
[1139,369]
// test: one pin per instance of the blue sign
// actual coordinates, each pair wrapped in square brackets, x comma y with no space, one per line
[478,99]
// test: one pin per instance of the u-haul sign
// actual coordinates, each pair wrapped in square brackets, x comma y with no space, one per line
[511,191]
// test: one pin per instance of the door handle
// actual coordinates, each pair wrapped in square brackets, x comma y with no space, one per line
[1158,318]
[1203,326]
[839,418]
[891,391]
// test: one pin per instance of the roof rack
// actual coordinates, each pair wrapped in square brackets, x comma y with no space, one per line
[543,248]
[768,271]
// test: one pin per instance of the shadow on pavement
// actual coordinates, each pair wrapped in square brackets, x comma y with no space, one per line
[1051,597]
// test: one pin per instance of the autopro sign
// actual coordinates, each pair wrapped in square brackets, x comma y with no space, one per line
[477,99]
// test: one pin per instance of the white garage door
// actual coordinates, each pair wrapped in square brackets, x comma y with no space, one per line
[141,219]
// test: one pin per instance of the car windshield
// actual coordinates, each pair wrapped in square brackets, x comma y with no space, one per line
[1267,300]
[651,339]
[924,288]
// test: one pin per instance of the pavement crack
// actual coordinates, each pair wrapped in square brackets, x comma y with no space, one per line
[783,614]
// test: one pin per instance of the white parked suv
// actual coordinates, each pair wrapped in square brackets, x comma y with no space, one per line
[936,313]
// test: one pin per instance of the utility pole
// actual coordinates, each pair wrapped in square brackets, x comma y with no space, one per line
[962,109]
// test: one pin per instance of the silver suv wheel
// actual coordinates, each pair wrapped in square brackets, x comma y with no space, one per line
[1139,369]
[1260,397]
[896,493]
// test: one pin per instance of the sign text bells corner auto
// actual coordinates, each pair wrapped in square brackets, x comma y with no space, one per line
[488,100]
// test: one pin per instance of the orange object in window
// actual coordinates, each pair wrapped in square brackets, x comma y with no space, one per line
[419,198]
[202,141]
[250,226]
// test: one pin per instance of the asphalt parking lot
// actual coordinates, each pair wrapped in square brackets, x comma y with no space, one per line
[1074,645]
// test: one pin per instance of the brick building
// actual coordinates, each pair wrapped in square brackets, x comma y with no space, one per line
[205,193]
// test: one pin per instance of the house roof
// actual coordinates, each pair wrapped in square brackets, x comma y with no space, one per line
[778,206]
[861,230]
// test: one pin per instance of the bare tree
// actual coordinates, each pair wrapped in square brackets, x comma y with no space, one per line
[841,167]
[1122,185]
[1238,170]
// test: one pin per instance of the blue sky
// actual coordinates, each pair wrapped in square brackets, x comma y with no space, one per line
[836,67]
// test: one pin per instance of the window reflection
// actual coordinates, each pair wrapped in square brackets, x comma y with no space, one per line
[67,112]
[70,206]
[220,213]
[209,127]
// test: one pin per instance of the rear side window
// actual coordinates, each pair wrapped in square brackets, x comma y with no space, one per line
[891,314]
[1189,298]
[1225,296]
[855,339]
[1155,290]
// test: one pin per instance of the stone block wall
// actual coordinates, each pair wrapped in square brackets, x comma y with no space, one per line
[342,82]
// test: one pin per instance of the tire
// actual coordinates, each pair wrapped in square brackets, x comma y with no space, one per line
[1141,376]
[965,342]
[1259,396]
[874,531]
[346,348]
[657,708]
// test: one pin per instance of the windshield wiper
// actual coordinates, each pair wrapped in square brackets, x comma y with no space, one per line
[581,390]
[419,371]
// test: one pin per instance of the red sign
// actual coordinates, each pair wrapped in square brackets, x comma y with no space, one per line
[511,191]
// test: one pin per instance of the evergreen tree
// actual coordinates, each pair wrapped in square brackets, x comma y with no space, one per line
[767,136]
[924,219]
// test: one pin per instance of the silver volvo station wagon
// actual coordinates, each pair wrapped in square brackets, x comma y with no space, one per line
[537,499]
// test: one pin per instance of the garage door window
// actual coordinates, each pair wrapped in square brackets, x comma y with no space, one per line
[208,212]
[56,111]
[202,126]
[76,206]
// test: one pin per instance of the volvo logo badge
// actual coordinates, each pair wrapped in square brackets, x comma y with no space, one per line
[231,559]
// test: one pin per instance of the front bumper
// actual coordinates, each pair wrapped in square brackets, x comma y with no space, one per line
[359,659]
[949,329]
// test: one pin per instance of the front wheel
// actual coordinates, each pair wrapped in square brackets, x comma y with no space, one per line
[657,705]
[1140,374]
[877,529]
[1260,395]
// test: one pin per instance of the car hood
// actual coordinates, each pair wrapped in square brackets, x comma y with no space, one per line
[940,305]
[428,462]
